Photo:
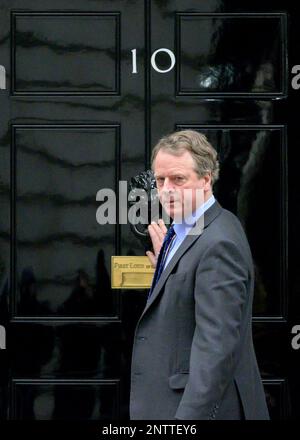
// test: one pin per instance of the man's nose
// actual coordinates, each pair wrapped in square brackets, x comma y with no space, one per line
[168,185]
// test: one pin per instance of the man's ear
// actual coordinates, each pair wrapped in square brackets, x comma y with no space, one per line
[207,182]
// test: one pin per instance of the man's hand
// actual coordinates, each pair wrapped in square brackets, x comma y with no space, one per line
[157,233]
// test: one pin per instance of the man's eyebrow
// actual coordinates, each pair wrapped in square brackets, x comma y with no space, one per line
[179,174]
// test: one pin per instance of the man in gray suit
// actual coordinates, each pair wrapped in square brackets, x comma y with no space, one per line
[193,355]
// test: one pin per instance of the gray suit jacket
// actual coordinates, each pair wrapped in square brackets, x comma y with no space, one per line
[193,355]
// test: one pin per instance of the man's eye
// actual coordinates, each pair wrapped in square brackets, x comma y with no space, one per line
[179,179]
[159,181]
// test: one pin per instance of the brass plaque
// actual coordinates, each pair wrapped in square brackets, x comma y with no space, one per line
[131,272]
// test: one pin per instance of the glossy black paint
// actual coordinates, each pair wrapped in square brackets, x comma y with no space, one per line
[210,61]
[75,119]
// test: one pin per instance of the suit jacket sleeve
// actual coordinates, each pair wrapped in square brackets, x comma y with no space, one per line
[220,291]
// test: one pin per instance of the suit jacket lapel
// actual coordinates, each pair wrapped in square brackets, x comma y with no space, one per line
[209,216]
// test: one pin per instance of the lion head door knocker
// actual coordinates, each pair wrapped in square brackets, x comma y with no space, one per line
[143,188]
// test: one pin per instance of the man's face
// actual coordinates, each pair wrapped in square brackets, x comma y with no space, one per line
[180,188]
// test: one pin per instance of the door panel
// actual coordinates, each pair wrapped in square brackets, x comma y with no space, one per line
[210,62]
[64,401]
[249,158]
[66,53]
[59,199]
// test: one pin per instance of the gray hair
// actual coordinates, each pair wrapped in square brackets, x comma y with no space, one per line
[203,153]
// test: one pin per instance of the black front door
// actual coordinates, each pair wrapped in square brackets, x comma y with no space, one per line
[72,123]
[87,88]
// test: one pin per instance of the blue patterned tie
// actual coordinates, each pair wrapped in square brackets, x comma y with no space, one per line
[162,257]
